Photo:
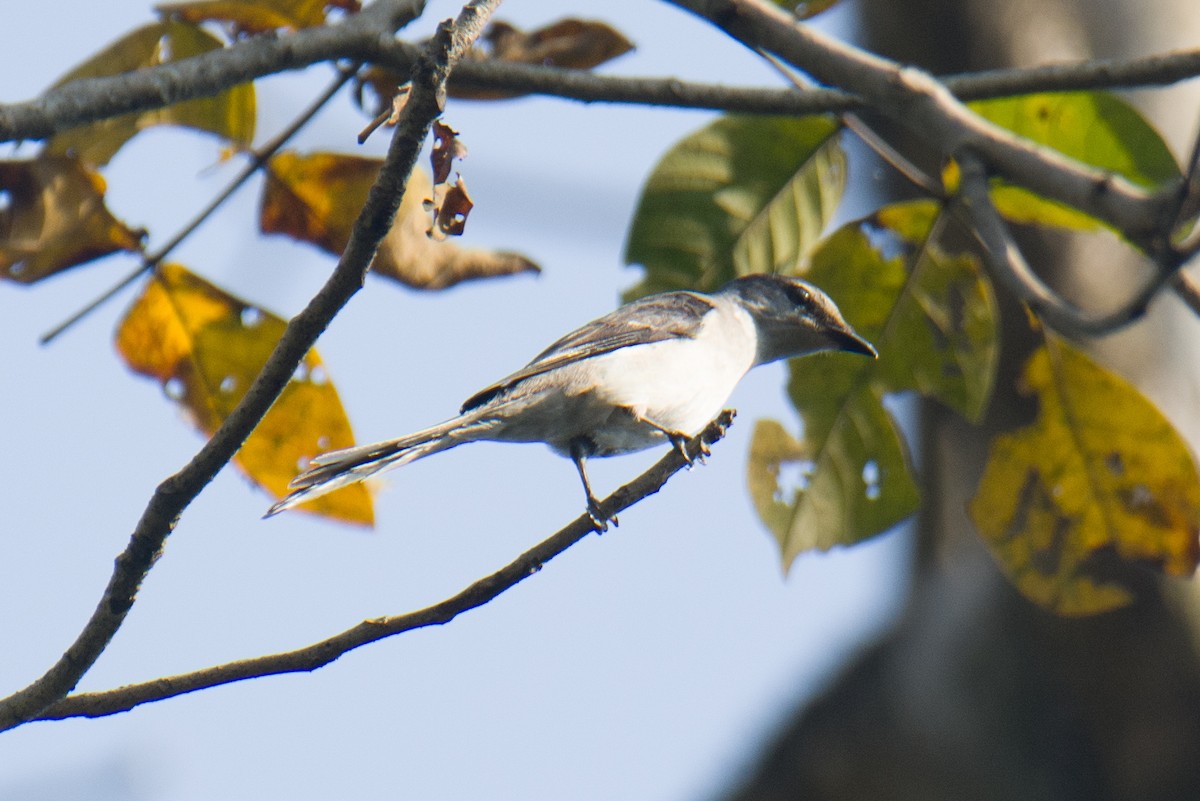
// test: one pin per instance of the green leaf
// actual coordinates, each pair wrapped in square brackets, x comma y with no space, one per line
[855,484]
[1095,128]
[1100,476]
[933,317]
[743,194]
[230,114]
[942,339]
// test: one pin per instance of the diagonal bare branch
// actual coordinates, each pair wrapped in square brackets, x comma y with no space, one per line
[319,654]
[174,494]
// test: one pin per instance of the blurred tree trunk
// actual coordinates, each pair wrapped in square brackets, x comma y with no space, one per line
[976,694]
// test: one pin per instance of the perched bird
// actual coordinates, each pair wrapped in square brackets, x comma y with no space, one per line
[659,368]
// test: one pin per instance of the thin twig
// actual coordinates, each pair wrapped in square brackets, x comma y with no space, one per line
[258,157]
[890,155]
[319,654]
[1187,290]
[1009,265]
[174,494]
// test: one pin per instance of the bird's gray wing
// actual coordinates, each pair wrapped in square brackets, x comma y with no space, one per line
[670,315]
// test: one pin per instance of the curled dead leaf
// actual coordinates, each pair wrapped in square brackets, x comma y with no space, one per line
[452,205]
[55,218]
[316,197]
[446,148]
[409,255]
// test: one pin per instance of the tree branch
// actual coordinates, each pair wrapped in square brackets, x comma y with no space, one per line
[1008,265]
[1158,70]
[319,654]
[82,102]
[916,100]
[258,157]
[175,493]
[79,102]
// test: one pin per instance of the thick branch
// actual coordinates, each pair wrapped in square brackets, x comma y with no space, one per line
[916,100]
[83,102]
[91,99]
[177,492]
[319,654]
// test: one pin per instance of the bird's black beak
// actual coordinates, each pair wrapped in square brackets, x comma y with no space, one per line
[848,340]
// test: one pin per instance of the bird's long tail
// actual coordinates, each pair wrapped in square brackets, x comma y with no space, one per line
[336,469]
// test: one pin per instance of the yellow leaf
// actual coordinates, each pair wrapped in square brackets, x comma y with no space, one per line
[256,16]
[206,347]
[55,218]
[316,198]
[230,114]
[1099,477]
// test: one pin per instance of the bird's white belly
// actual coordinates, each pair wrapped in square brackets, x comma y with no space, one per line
[679,384]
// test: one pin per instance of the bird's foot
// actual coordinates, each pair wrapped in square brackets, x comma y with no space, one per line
[679,441]
[599,519]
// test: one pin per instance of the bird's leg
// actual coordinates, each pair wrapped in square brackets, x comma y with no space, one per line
[679,440]
[579,452]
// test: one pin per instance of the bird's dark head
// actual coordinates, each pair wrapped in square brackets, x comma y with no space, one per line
[794,317]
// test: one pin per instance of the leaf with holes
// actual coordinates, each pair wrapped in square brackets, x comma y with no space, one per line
[1099,479]
[248,17]
[206,347]
[743,194]
[853,483]
[55,218]
[933,319]
[316,197]
[1096,128]
[229,114]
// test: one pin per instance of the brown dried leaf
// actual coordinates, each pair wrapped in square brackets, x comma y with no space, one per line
[452,205]
[568,43]
[206,347]
[316,197]
[446,148]
[54,218]
[384,85]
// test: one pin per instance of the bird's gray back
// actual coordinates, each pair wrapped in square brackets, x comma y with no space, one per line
[670,315]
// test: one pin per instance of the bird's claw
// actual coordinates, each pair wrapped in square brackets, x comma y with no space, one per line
[599,519]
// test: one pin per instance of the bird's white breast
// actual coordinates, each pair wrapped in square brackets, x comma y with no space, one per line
[680,384]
